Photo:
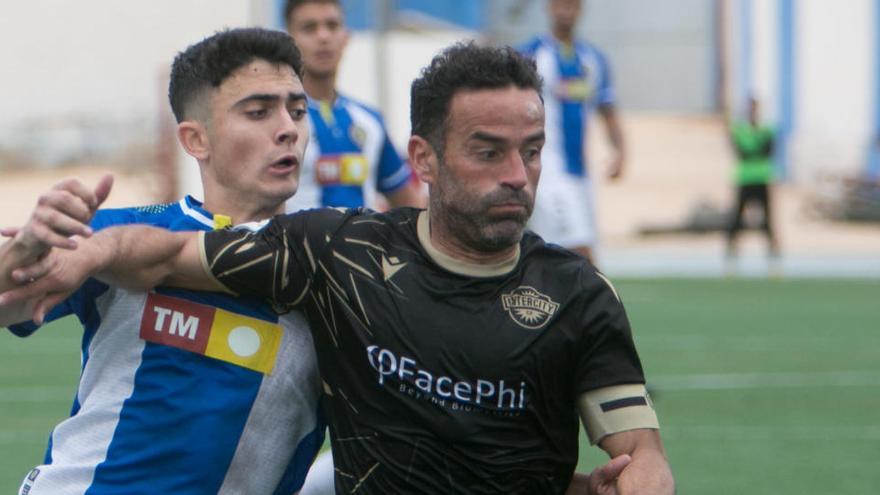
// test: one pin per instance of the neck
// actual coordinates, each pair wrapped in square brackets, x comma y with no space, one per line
[563,35]
[320,87]
[241,212]
[240,207]
[445,240]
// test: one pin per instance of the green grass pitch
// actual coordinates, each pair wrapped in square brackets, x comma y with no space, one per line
[762,386]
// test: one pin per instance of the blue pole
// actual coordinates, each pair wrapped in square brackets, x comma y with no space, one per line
[786,85]
[746,60]
[279,22]
[873,165]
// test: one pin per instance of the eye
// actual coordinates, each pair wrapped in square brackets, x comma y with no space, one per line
[308,28]
[488,155]
[531,154]
[256,114]
[298,113]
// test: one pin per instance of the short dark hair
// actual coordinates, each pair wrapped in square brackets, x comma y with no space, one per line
[209,62]
[291,5]
[464,66]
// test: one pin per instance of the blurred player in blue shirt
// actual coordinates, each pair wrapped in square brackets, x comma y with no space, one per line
[577,82]
[350,156]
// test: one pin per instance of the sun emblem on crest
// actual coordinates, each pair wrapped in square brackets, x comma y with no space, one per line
[528,307]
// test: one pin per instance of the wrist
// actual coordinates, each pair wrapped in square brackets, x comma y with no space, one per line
[98,252]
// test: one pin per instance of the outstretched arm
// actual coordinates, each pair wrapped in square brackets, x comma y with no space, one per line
[62,212]
[134,257]
[615,137]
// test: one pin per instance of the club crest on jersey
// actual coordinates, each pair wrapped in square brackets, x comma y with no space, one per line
[358,135]
[528,307]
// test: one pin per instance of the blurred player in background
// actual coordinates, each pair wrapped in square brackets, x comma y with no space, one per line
[186,392]
[350,156]
[577,82]
[753,143]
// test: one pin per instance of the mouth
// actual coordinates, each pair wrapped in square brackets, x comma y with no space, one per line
[285,164]
[509,207]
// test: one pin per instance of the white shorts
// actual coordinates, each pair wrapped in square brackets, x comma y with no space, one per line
[320,478]
[564,212]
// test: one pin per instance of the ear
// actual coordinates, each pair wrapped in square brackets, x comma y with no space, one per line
[423,159]
[193,136]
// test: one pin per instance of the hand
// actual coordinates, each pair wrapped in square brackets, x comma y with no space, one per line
[603,479]
[615,167]
[62,212]
[48,281]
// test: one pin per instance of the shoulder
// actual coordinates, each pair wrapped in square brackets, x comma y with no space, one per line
[566,267]
[355,107]
[159,215]
[369,222]
[588,49]
[531,46]
[326,220]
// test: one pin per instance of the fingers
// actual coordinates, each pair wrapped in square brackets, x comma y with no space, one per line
[23,293]
[62,212]
[57,231]
[609,472]
[69,198]
[30,273]
[43,307]
[102,190]
[9,231]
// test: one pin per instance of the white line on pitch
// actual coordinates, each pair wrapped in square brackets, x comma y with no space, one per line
[720,381]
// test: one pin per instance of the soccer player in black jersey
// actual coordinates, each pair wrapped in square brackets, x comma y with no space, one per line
[456,349]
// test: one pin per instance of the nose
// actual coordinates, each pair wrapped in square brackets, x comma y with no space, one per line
[287,132]
[513,172]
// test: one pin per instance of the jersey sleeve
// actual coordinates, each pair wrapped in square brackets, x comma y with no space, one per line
[393,172]
[275,263]
[606,352]
[615,409]
[608,375]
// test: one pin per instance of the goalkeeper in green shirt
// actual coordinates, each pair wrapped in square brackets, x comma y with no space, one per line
[753,144]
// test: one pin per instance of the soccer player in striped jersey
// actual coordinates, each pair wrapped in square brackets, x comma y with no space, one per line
[577,82]
[350,156]
[193,392]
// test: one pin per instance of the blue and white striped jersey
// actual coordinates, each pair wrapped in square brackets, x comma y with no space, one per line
[182,392]
[577,80]
[348,159]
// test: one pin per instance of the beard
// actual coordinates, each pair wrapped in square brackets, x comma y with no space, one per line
[471,218]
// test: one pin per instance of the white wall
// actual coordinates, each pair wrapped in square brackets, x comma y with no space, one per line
[833,80]
[89,72]
[765,57]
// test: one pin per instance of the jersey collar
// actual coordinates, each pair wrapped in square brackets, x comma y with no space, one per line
[458,266]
